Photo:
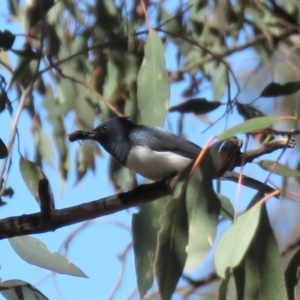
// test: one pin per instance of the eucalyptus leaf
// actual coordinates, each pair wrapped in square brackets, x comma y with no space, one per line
[263,264]
[171,242]
[275,89]
[248,126]
[277,168]
[234,243]
[153,88]
[3,150]
[16,289]
[36,253]
[31,174]
[197,106]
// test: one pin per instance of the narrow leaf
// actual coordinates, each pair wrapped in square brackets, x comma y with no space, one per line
[18,289]
[275,89]
[44,145]
[153,88]
[171,246]
[292,276]
[3,150]
[236,240]
[31,174]
[197,106]
[203,210]
[145,227]
[263,265]
[248,126]
[36,253]
[248,112]
[227,210]
[277,168]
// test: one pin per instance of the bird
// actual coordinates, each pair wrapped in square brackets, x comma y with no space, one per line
[151,151]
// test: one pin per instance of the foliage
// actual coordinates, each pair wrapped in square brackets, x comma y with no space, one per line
[92,60]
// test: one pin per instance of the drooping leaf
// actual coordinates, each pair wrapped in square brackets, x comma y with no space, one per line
[203,207]
[3,150]
[248,126]
[6,39]
[227,210]
[262,264]
[35,10]
[31,174]
[219,80]
[36,253]
[16,289]
[292,276]
[171,242]
[275,89]
[145,227]
[3,100]
[222,293]
[44,145]
[248,112]
[197,106]
[236,240]
[153,87]
[112,80]
[277,168]
[85,158]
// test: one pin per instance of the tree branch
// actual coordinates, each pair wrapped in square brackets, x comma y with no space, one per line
[33,223]
[36,223]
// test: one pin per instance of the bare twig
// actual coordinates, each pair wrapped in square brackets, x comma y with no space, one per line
[122,258]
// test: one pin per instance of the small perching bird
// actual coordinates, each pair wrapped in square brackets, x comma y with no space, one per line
[151,151]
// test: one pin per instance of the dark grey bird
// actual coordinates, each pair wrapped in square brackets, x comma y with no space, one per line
[150,151]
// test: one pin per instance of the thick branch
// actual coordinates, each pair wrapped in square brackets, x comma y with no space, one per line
[34,223]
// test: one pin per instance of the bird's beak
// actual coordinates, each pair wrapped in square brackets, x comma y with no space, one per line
[83,135]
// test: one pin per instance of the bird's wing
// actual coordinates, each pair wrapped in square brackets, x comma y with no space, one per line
[158,139]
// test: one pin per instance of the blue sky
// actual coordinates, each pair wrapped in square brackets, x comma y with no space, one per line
[95,249]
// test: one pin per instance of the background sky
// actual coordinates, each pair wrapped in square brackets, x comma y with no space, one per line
[96,247]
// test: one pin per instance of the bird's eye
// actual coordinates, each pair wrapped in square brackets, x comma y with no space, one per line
[103,128]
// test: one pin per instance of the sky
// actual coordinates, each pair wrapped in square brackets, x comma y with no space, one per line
[95,249]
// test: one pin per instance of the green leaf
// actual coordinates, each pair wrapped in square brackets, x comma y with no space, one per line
[263,265]
[222,293]
[153,86]
[44,144]
[275,89]
[248,112]
[277,168]
[85,158]
[203,207]
[112,80]
[31,174]
[236,240]
[3,150]
[197,106]
[67,94]
[219,79]
[172,241]
[145,228]
[36,253]
[248,126]
[227,210]
[18,289]
[292,276]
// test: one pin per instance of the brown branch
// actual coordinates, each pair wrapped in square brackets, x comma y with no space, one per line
[227,52]
[276,144]
[33,223]
[30,224]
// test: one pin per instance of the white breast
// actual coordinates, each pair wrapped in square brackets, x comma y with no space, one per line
[155,165]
